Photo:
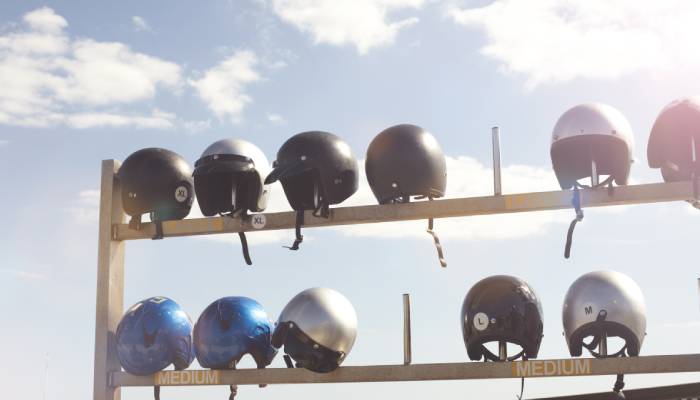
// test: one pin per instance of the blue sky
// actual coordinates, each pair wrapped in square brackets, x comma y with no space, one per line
[83,81]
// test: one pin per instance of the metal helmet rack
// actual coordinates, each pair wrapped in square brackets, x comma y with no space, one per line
[114,232]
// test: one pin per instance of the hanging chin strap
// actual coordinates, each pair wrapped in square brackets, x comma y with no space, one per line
[135,223]
[436,239]
[297,231]
[321,210]
[490,356]
[241,235]
[576,203]
[620,380]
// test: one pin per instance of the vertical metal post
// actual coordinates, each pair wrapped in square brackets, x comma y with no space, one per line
[110,285]
[698,286]
[406,329]
[502,350]
[594,174]
[496,144]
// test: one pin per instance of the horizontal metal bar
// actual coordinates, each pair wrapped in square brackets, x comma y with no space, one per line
[671,392]
[462,207]
[419,372]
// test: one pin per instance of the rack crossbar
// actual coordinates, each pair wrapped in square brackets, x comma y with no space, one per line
[419,372]
[460,207]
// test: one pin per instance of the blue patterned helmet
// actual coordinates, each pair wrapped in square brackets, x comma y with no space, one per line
[228,329]
[153,334]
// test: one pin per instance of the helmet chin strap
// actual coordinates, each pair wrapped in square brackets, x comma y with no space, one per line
[436,239]
[600,340]
[576,203]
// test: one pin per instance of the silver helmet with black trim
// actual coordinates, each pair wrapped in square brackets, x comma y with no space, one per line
[605,303]
[317,328]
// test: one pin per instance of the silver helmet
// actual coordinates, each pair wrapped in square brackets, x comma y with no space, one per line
[604,302]
[317,329]
[592,133]
[230,176]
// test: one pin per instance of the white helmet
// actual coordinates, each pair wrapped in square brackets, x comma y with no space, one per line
[604,302]
[592,133]
[317,328]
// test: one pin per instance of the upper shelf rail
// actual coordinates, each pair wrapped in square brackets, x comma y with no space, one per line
[445,208]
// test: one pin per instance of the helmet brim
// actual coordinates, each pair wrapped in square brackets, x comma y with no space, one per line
[285,171]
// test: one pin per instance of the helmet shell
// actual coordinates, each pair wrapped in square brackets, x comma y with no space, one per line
[318,328]
[403,161]
[501,308]
[231,166]
[228,329]
[315,158]
[612,292]
[153,334]
[592,132]
[671,137]
[156,181]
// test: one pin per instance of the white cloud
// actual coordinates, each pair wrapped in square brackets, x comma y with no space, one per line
[223,87]
[559,40]
[140,24]
[4,143]
[196,126]
[467,177]
[45,75]
[361,23]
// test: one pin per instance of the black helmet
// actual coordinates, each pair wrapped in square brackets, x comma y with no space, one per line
[404,161]
[499,309]
[316,169]
[156,181]
[675,131]
[228,180]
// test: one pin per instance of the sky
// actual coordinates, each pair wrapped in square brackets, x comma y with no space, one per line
[84,81]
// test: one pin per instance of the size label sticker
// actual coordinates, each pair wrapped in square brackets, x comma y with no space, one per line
[181,194]
[258,221]
[481,321]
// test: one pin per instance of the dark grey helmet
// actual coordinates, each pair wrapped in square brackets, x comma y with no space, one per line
[675,131]
[158,182]
[229,177]
[404,161]
[315,168]
[604,302]
[501,308]
[317,328]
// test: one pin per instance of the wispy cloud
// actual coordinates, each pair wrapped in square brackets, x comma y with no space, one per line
[223,87]
[140,24]
[360,23]
[549,41]
[276,119]
[22,274]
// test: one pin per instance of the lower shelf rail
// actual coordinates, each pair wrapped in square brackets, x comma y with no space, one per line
[419,372]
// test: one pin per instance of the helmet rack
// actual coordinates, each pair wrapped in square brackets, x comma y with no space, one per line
[113,232]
